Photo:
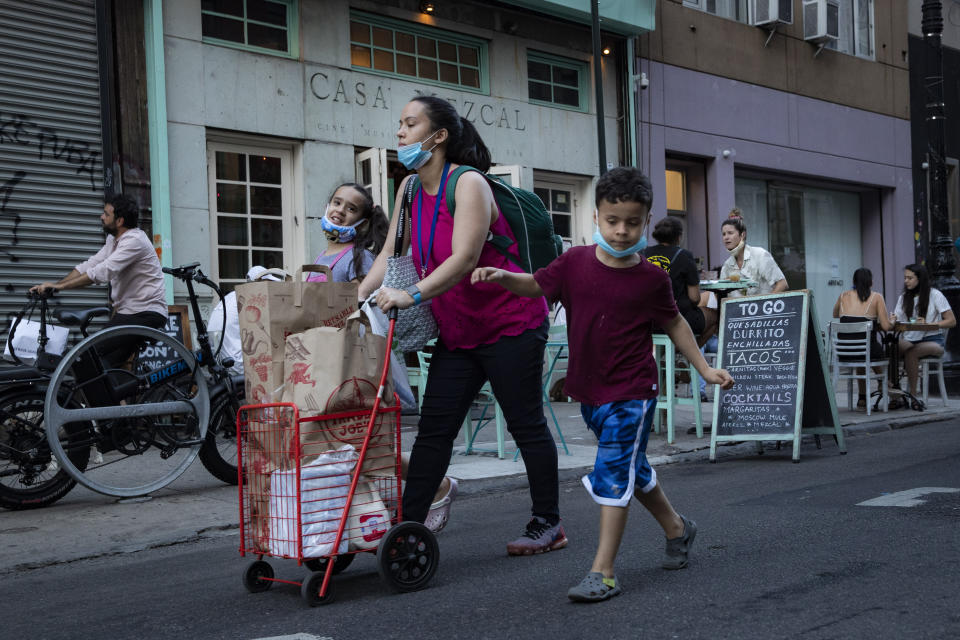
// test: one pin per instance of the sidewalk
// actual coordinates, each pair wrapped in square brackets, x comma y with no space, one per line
[197,506]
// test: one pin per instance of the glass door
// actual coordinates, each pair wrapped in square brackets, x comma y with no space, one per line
[833,245]
[785,230]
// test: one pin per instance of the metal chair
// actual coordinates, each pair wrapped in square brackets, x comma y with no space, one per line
[667,398]
[933,364]
[850,352]
[484,398]
[555,352]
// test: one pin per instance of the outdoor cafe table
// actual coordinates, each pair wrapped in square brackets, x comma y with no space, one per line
[723,287]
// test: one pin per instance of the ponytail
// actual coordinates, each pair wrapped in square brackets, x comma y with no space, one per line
[469,149]
[464,144]
[371,237]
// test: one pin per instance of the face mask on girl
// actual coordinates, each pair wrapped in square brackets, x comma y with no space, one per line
[337,232]
[412,156]
[737,249]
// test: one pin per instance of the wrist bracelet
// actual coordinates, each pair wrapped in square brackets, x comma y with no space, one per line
[417,298]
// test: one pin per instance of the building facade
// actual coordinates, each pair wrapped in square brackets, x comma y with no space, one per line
[808,135]
[269,110]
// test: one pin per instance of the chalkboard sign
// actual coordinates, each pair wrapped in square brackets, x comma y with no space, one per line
[772,347]
[154,356]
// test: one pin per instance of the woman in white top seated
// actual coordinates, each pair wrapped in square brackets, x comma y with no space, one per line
[920,302]
[751,263]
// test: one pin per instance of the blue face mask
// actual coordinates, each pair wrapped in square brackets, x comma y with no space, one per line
[412,156]
[638,247]
[339,233]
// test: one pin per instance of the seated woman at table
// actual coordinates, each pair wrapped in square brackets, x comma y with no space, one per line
[920,302]
[684,275]
[750,263]
[862,304]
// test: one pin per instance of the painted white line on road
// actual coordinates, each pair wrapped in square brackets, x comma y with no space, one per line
[908,498]
[297,636]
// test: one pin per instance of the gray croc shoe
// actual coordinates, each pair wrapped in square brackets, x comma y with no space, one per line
[594,589]
[439,513]
[678,549]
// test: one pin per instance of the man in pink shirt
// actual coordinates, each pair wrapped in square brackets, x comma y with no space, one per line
[129,263]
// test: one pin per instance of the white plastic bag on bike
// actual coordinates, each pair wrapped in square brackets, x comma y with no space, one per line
[26,342]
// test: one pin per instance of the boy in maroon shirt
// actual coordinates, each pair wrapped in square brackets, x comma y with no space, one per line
[612,297]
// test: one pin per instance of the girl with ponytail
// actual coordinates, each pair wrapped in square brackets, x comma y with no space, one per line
[353,225]
[486,332]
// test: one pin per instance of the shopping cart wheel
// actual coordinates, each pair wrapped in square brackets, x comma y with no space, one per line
[257,577]
[310,590]
[408,556]
[320,564]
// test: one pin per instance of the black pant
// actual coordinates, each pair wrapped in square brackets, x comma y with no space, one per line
[514,367]
[117,350]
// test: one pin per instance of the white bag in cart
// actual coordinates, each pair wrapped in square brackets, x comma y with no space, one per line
[324,486]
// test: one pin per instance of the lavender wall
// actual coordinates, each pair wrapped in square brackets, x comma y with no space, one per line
[696,114]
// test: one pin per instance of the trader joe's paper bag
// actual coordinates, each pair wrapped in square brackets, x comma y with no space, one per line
[329,371]
[270,311]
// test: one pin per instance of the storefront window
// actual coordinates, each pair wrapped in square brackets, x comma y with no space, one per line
[396,48]
[813,234]
[558,199]
[261,25]
[558,82]
[249,210]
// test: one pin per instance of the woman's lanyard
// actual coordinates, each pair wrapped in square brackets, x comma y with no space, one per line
[433,227]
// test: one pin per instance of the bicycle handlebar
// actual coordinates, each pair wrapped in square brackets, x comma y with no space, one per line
[192,272]
[41,295]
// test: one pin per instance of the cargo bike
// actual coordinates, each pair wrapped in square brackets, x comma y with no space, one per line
[321,489]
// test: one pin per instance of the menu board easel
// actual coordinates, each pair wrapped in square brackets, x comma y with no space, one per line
[772,347]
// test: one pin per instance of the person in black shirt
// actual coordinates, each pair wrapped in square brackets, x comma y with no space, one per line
[680,264]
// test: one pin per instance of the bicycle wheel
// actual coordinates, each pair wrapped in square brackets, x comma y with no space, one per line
[219,453]
[146,422]
[30,477]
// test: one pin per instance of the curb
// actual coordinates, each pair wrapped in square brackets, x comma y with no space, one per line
[481,486]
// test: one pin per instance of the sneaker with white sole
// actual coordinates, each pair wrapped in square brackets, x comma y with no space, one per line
[539,537]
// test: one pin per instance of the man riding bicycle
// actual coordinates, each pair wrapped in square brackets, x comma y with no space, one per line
[129,263]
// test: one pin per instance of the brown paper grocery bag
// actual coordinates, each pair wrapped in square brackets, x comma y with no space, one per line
[270,311]
[329,370]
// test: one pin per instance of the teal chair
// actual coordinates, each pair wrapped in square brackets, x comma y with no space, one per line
[555,352]
[484,398]
[665,356]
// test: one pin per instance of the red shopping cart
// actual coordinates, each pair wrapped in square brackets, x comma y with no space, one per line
[322,489]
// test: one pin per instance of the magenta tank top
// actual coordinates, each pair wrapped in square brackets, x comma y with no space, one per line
[471,315]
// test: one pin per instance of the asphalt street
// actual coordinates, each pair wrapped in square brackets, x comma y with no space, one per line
[784,551]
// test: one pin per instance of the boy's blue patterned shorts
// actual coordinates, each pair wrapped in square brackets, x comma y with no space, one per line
[622,430]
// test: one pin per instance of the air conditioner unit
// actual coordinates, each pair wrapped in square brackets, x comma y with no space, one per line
[821,20]
[771,12]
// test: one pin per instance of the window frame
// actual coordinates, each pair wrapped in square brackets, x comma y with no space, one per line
[435,33]
[288,217]
[552,185]
[292,27]
[583,75]
[700,5]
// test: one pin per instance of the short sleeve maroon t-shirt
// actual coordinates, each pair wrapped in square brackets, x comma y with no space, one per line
[610,316]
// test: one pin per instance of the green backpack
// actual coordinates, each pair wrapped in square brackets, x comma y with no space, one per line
[529,220]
